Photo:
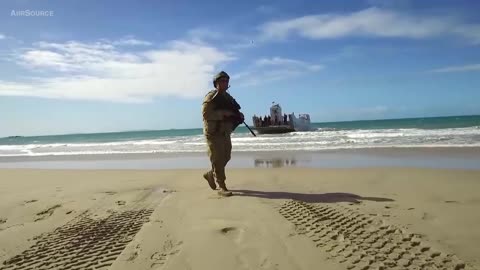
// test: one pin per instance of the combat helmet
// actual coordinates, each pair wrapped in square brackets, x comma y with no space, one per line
[221,74]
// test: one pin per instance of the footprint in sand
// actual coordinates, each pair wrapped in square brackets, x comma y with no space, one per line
[134,254]
[451,201]
[121,202]
[3,220]
[268,264]
[47,212]
[235,234]
[427,216]
[169,249]
[30,201]
[227,229]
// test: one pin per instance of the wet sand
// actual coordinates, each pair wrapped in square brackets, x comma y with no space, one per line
[278,218]
[435,157]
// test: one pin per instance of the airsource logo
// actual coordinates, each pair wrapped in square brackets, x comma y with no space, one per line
[31,13]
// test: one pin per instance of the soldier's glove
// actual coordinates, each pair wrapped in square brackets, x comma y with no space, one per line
[236,119]
[241,116]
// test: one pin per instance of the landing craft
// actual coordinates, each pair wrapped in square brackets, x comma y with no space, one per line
[281,123]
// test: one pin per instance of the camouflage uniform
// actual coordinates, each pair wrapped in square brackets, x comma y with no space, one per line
[217,130]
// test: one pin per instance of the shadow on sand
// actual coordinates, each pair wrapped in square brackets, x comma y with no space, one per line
[309,198]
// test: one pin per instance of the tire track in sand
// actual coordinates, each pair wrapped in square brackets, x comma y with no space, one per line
[363,242]
[86,242]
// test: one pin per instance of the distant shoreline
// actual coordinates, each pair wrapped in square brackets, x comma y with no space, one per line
[422,133]
[185,129]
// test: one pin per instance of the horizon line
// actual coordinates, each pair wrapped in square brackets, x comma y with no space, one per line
[151,130]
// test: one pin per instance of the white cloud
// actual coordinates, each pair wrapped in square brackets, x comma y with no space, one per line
[469,31]
[288,63]
[274,69]
[75,56]
[202,33]
[101,71]
[2,36]
[126,41]
[38,58]
[229,39]
[465,68]
[131,42]
[243,43]
[373,22]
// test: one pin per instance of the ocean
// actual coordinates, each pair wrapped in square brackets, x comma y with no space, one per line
[452,131]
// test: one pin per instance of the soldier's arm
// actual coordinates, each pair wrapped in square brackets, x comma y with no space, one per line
[208,110]
[234,103]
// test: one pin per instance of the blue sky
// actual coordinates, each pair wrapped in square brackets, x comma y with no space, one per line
[96,66]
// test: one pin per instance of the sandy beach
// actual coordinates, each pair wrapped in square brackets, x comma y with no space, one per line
[278,218]
[347,131]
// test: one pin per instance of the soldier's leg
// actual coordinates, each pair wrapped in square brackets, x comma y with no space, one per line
[227,149]
[210,179]
[217,159]
[210,175]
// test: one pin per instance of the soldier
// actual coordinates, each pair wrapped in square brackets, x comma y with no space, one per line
[219,121]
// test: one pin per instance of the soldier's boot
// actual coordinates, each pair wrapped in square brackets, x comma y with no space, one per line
[210,179]
[223,189]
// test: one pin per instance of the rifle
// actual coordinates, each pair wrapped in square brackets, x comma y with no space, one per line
[221,103]
[249,129]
